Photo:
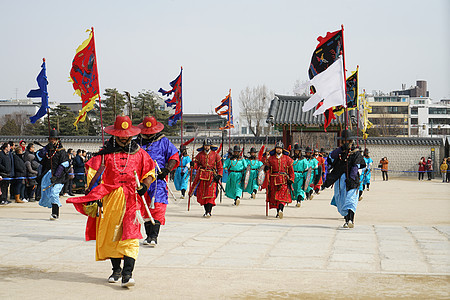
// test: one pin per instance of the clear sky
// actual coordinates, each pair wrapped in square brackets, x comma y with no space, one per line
[222,45]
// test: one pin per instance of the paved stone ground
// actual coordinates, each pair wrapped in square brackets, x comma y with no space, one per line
[241,253]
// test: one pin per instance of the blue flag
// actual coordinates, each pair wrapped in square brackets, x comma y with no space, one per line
[42,93]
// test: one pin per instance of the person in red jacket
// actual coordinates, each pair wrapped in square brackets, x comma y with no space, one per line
[209,170]
[422,165]
[280,178]
[114,221]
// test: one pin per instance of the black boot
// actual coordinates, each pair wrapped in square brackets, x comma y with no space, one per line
[183,192]
[237,201]
[127,272]
[280,211]
[205,215]
[351,217]
[117,270]
[154,232]
[55,212]
[147,226]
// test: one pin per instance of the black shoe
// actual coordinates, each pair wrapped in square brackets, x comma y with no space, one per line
[115,276]
[127,281]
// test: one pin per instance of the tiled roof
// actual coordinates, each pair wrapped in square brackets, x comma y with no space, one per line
[286,110]
[406,141]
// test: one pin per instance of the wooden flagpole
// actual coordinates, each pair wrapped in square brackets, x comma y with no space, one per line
[345,78]
[181,99]
[99,98]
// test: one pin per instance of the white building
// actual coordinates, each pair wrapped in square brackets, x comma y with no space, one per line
[429,119]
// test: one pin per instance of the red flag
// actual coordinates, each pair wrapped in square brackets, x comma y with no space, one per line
[261,152]
[84,76]
[328,114]
[188,142]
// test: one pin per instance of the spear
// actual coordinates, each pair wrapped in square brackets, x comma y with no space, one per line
[130,105]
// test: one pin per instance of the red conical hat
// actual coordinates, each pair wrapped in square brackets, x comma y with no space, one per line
[122,127]
[150,125]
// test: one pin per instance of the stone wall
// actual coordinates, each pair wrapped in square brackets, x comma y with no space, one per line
[404,158]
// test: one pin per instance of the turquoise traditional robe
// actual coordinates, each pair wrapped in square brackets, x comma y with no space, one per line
[236,169]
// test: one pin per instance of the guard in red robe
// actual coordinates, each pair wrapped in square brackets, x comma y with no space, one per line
[113,202]
[209,170]
[280,178]
[320,170]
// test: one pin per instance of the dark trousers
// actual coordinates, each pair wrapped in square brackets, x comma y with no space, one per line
[29,191]
[19,188]
[421,175]
[429,175]
[4,188]
[385,175]
[67,187]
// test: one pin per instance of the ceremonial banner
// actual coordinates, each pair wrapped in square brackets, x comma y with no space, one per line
[352,94]
[40,93]
[326,53]
[329,86]
[366,109]
[177,99]
[84,76]
[226,102]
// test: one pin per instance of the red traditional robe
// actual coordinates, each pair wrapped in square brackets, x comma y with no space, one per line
[118,194]
[207,165]
[321,165]
[280,171]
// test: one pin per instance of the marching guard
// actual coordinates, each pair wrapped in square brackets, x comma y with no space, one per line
[281,177]
[208,166]
[299,165]
[113,202]
[319,171]
[165,155]
[344,164]
[309,173]
[366,174]
[181,178]
[55,165]
[236,167]
[255,165]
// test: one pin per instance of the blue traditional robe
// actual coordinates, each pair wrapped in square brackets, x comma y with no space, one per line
[161,151]
[366,173]
[181,182]
[299,165]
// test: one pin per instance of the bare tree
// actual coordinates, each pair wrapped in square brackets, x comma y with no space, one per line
[300,89]
[254,103]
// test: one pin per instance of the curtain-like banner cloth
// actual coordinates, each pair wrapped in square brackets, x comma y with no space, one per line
[40,93]
[84,76]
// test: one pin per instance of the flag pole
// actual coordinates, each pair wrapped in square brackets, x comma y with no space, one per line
[48,108]
[181,99]
[99,97]
[357,105]
[345,78]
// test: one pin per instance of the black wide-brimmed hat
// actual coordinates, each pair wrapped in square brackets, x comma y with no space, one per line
[182,148]
[252,150]
[346,135]
[54,134]
[297,147]
[236,148]
[308,150]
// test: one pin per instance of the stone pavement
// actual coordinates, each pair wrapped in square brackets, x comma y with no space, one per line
[246,249]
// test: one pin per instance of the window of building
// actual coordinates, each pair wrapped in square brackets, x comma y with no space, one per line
[437,110]
[414,110]
[243,130]
[414,121]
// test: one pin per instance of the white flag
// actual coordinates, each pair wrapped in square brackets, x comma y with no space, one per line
[330,86]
